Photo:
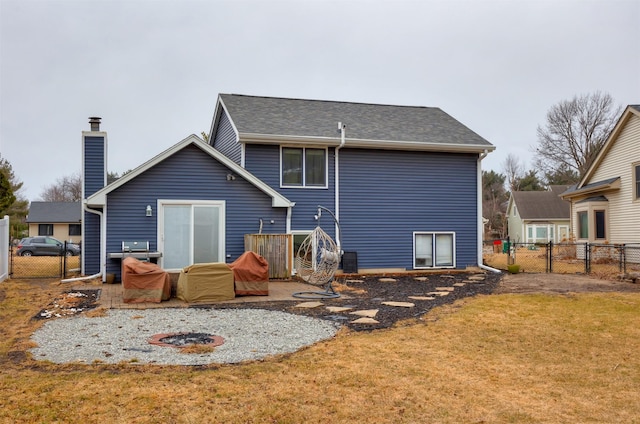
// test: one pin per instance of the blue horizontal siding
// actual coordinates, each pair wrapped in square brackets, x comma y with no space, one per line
[91,244]
[264,162]
[94,164]
[387,195]
[189,174]
[93,180]
[224,140]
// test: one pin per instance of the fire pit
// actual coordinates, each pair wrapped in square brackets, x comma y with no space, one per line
[185,339]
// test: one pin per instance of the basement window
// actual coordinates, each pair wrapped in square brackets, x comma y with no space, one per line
[433,250]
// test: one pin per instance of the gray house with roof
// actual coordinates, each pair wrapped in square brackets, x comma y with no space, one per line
[538,216]
[61,220]
[404,183]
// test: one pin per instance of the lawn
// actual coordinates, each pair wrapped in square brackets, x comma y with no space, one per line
[494,359]
[41,266]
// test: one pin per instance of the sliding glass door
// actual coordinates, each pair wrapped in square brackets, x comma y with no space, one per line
[191,232]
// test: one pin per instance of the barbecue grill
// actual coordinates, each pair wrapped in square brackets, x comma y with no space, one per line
[138,249]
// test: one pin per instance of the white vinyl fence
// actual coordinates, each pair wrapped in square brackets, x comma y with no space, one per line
[4,248]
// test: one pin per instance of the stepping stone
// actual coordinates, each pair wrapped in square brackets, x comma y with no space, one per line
[438,293]
[400,304]
[309,305]
[338,308]
[387,280]
[447,276]
[354,281]
[459,284]
[421,279]
[365,320]
[445,288]
[477,277]
[422,297]
[369,313]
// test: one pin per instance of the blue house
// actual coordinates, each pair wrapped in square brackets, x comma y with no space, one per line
[403,182]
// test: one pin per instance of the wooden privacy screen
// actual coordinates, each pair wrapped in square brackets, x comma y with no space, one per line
[275,248]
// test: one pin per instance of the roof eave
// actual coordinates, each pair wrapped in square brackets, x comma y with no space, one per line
[597,189]
[277,139]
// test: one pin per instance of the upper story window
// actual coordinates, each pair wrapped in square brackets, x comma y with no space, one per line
[303,167]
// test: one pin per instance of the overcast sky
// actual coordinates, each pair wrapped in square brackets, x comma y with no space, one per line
[153,69]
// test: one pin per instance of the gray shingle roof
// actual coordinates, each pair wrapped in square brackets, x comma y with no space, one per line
[54,212]
[373,122]
[592,186]
[542,204]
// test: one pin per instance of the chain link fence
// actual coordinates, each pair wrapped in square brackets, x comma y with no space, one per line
[60,266]
[563,258]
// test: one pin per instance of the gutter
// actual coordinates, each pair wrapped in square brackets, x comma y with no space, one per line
[366,143]
[103,254]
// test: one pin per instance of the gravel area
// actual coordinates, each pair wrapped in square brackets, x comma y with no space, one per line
[123,336]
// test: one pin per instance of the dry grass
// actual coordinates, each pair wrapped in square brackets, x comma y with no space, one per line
[536,261]
[41,266]
[498,359]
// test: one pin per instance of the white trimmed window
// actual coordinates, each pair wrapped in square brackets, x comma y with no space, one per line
[636,180]
[434,250]
[303,167]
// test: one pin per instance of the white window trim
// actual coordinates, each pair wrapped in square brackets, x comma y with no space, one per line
[434,233]
[590,208]
[634,182]
[221,225]
[293,252]
[304,156]
[551,233]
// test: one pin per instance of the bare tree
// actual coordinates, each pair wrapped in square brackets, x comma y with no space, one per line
[574,133]
[514,171]
[65,189]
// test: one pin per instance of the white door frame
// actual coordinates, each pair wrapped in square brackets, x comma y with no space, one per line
[221,204]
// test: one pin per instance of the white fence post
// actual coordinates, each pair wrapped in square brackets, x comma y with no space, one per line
[4,248]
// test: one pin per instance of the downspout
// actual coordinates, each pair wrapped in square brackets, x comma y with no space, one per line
[288,221]
[479,213]
[341,128]
[102,243]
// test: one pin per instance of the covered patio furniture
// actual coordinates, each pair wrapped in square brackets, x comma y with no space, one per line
[209,282]
[251,275]
[144,282]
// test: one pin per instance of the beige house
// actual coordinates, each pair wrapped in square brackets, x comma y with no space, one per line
[56,219]
[538,216]
[605,204]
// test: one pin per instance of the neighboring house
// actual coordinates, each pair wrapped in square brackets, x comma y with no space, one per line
[404,183]
[61,220]
[538,216]
[605,204]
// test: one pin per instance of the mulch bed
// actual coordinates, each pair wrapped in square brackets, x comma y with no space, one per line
[369,292]
[356,292]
